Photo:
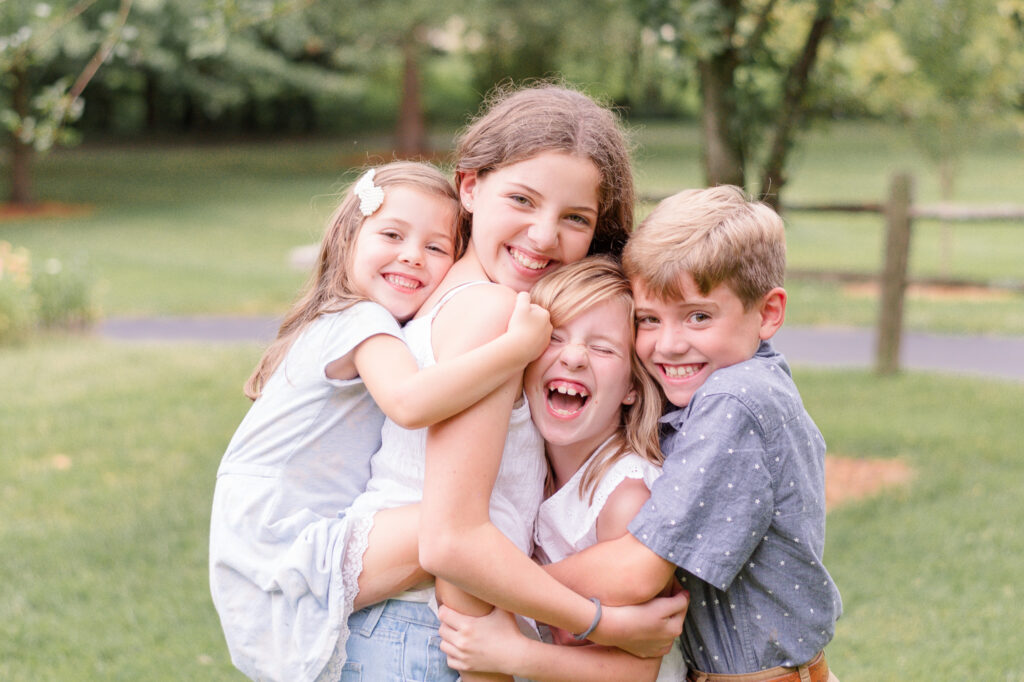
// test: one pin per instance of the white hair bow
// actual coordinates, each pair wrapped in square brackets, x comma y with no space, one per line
[370,195]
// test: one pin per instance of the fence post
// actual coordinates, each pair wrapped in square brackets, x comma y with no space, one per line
[894,275]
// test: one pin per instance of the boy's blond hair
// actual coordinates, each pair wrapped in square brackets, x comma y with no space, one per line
[717,235]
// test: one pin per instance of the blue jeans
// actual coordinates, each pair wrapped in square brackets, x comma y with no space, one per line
[395,641]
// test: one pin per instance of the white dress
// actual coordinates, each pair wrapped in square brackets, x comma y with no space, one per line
[567,524]
[397,475]
[298,459]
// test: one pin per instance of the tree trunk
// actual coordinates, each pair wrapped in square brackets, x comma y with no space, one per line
[151,98]
[794,89]
[412,131]
[722,151]
[21,153]
[947,178]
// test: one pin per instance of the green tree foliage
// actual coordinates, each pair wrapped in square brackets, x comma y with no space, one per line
[600,45]
[757,72]
[245,64]
[946,68]
[402,36]
[42,46]
[755,62]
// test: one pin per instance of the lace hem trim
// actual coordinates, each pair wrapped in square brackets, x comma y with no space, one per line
[347,583]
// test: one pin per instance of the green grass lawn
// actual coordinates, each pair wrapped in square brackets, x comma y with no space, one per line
[206,228]
[109,457]
[108,452]
[930,574]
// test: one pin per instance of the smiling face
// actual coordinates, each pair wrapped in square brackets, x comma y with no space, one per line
[404,250]
[577,387]
[532,216]
[682,342]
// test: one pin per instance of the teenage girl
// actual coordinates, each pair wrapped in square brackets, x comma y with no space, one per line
[543,178]
[597,409]
[302,452]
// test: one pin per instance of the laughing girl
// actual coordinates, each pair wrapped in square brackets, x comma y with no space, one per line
[597,409]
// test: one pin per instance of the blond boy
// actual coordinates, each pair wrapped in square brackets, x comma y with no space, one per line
[739,513]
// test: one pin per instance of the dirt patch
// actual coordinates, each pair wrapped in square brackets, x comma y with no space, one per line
[934,292]
[43,209]
[848,479]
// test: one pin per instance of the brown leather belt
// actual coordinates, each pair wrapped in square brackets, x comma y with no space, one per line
[816,670]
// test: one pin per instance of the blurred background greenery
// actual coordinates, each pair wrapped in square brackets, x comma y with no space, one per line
[163,157]
[754,74]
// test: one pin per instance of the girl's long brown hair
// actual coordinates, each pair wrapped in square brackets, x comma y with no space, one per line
[517,124]
[329,288]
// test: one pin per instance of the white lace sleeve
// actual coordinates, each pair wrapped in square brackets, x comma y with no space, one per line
[630,466]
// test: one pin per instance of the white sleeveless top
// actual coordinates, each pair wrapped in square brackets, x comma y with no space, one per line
[397,469]
[397,475]
[567,524]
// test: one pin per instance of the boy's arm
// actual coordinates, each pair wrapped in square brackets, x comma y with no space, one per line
[415,398]
[460,544]
[494,643]
[639,573]
[713,503]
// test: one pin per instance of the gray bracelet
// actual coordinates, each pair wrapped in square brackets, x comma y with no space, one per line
[597,618]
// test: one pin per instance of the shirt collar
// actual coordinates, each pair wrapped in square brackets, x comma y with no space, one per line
[675,418]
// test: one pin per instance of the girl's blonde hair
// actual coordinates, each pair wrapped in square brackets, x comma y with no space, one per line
[569,292]
[518,124]
[329,288]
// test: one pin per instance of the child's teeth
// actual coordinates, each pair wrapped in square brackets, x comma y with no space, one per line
[528,262]
[403,282]
[681,371]
[568,390]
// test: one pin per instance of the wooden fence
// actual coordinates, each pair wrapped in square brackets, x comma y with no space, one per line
[900,211]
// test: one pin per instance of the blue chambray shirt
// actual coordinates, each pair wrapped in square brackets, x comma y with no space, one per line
[740,509]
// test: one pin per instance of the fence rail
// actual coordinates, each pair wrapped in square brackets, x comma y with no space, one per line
[957,213]
[900,211]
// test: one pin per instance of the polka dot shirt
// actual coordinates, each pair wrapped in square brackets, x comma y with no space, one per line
[740,509]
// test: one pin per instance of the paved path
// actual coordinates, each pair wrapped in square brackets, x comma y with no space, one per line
[992,356]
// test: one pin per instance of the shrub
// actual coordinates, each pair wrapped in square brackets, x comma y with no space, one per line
[56,295]
[17,307]
[17,315]
[63,294]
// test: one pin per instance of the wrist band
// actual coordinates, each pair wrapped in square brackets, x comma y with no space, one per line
[597,618]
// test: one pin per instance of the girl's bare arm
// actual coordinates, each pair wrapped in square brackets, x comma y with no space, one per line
[639,573]
[618,569]
[415,397]
[493,643]
[458,542]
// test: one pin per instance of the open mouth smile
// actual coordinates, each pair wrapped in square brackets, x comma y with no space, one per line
[566,399]
[682,371]
[527,261]
[402,282]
